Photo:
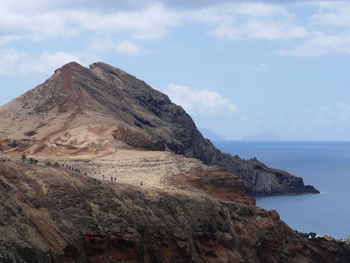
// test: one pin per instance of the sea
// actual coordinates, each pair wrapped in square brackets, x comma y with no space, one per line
[325,165]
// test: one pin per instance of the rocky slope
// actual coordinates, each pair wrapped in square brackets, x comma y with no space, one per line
[164,171]
[51,215]
[98,110]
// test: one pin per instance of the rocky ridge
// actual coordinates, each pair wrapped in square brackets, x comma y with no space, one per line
[98,110]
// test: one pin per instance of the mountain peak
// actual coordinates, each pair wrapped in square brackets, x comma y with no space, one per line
[70,66]
[101,109]
[100,64]
[104,66]
[97,68]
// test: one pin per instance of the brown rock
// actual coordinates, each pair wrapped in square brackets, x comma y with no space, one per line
[216,182]
[76,218]
[98,110]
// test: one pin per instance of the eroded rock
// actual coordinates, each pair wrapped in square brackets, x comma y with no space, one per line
[82,219]
[98,110]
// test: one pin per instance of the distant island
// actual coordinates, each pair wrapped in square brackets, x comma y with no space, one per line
[261,137]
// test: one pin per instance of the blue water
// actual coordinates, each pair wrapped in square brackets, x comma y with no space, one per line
[325,165]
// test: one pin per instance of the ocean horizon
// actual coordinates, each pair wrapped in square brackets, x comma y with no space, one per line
[323,164]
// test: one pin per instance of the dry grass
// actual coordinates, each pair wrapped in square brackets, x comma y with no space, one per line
[149,169]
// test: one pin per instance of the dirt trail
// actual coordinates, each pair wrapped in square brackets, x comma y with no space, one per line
[148,169]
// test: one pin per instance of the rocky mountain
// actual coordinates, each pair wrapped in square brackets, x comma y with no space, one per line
[115,172]
[50,214]
[98,110]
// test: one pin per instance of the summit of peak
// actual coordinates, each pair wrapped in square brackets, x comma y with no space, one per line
[69,66]
[106,67]
[72,64]
[100,64]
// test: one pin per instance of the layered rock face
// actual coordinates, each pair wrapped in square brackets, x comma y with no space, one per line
[50,215]
[97,110]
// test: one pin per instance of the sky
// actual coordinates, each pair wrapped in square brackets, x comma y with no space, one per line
[239,68]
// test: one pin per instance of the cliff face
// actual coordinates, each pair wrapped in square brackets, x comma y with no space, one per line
[98,110]
[183,137]
[50,215]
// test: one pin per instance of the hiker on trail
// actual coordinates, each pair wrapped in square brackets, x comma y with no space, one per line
[111,179]
[24,157]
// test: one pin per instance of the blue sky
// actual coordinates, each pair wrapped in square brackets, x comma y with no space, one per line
[238,67]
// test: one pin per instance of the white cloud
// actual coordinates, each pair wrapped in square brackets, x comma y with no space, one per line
[7,39]
[255,29]
[128,48]
[273,31]
[321,44]
[125,47]
[149,23]
[329,28]
[261,10]
[259,67]
[331,116]
[251,21]
[14,62]
[101,5]
[200,104]
[34,25]
[332,14]
[325,30]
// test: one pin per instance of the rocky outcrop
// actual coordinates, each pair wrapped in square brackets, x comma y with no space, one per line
[137,140]
[163,171]
[50,215]
[183,137]
[215,182]
[97,110]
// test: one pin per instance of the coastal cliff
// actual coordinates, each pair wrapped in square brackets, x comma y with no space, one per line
[51,214]
[99,167]
[98,110]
